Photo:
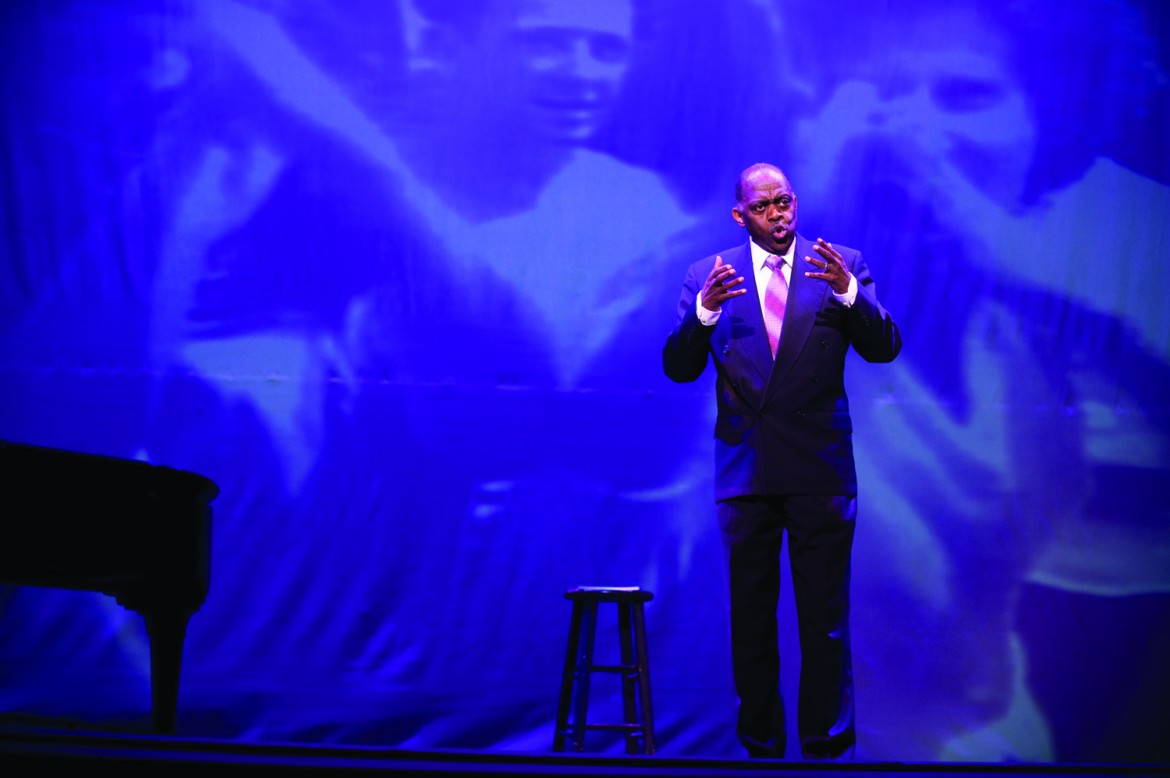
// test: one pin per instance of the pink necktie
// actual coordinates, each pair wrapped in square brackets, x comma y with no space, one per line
[775,301]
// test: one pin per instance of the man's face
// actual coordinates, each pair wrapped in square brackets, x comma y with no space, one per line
[569,61]
[767,210]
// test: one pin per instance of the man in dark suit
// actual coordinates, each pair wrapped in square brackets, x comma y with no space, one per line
[783,449]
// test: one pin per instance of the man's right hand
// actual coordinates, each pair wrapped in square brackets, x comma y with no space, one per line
[719,286]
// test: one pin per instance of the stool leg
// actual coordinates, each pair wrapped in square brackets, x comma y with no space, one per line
[643,654]
[584,672]
[572,652]
[629,677]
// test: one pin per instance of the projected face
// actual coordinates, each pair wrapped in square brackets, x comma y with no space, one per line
[567,64]
[960,106]
[948,108]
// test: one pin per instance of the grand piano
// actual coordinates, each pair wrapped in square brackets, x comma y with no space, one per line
[138,532]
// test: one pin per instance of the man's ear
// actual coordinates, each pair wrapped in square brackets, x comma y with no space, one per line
[738,216]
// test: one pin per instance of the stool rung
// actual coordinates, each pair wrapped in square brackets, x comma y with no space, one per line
[615,727]
[612,669]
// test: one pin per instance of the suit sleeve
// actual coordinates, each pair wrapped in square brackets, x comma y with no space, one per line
[872,330]
[684,356]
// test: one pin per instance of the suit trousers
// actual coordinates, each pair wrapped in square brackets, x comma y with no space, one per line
[820,537]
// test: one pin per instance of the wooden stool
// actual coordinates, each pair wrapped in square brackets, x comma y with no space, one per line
[634,668]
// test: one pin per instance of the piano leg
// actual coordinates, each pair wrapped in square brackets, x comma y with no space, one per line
[167,629]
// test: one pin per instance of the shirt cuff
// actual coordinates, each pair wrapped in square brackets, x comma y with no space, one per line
[850,295]
[706,318]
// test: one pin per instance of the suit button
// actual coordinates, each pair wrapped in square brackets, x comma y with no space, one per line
[726,350]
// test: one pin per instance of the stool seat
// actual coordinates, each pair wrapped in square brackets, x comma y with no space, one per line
[633,667]
[629,594]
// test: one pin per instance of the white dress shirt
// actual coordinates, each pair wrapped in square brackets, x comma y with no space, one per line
[761,266]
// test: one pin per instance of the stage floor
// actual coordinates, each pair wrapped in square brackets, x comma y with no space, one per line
[146,755]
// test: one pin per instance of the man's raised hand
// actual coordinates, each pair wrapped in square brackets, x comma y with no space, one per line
[719,286]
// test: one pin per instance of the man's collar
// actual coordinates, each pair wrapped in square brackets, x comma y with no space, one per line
[760,255]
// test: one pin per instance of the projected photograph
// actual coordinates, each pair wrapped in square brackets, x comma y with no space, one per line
[427,293]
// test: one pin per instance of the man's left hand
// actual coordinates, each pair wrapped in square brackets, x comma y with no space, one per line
[830,267]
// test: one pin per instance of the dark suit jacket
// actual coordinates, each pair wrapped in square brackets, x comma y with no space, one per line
[783,427]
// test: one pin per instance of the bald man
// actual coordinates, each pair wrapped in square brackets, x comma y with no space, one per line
[776,316]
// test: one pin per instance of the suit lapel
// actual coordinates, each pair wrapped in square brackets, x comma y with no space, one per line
[805,298]
[746,320]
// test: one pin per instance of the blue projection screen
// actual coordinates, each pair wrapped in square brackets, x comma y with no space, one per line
[396,275]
